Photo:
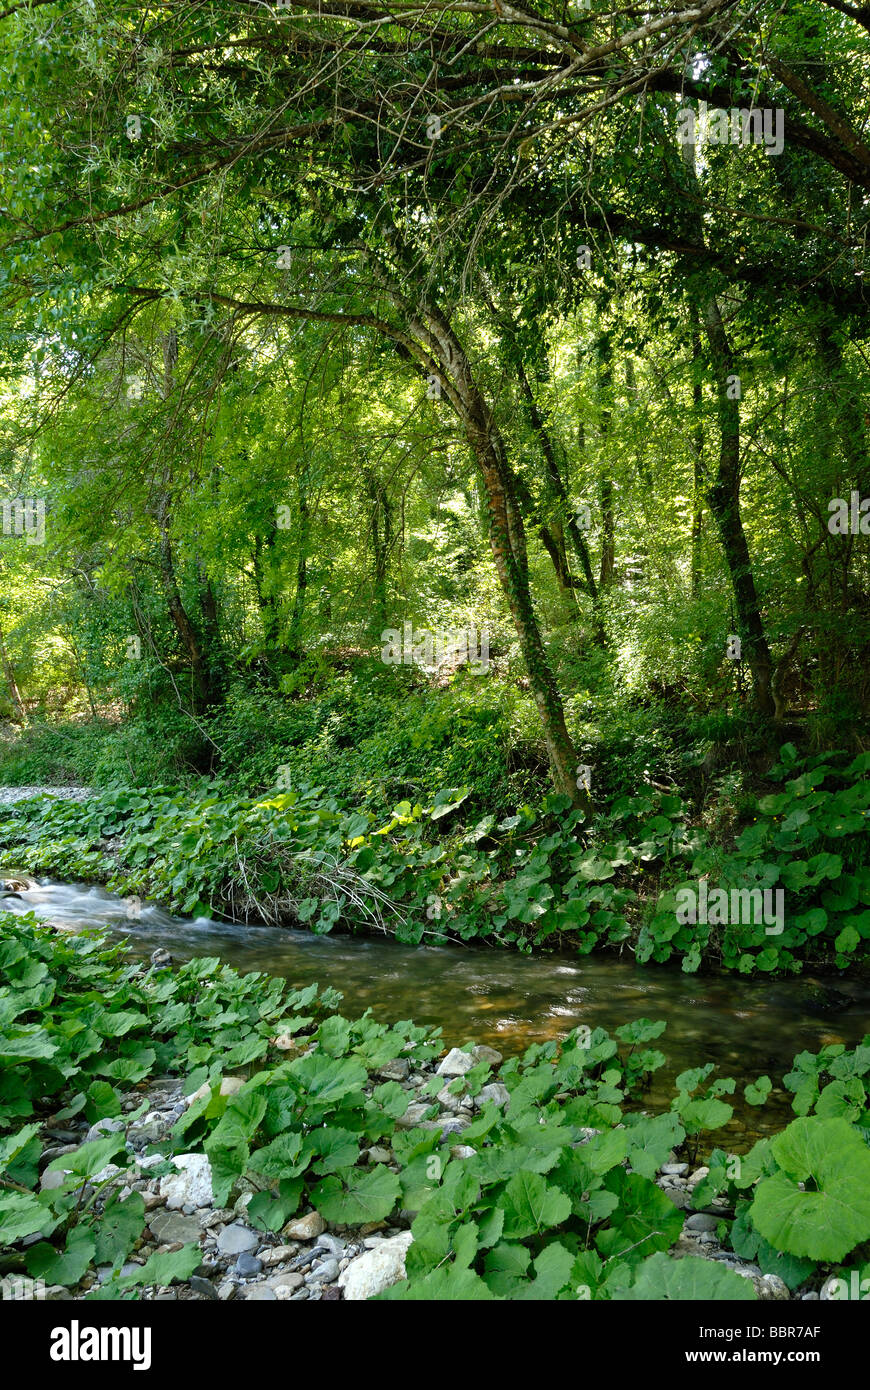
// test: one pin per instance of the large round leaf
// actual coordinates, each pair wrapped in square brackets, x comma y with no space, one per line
[831,1215]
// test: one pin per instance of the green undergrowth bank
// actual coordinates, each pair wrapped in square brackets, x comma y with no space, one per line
[553,1196]
[541,877]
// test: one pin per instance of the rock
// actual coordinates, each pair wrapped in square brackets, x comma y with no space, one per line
[397,1070]
[103,1127]
[324,1272]
[678,1197]
[168,1227]
[462,1151]
[191,1184]
[770,1287]
[446,1099]
[495,1092]
[199,1094]
[147,1130]
[377,1269]
[259,1293]
[277,1254]
[699,1173]
[230,1085]
[284,1042]
[226,1291]
[248,1265]
[202,1286]
[413,1115]
[700,1222]
[305,1227]
[675,1170]
[53,1178]
[237,1239]
[482,1053]
[378,1154]
[288,1282]
[455,1126]
[456,1063]
[334,1247]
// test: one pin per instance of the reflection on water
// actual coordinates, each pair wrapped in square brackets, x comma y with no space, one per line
[747,1027]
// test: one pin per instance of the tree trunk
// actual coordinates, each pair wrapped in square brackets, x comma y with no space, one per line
[182,623]
[301,594]
[605,482]
[380,521]
[724,498]
[699,472]
[724,495]
[507,541]
[9,677]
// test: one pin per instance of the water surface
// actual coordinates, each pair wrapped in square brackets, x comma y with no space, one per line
[748,1027]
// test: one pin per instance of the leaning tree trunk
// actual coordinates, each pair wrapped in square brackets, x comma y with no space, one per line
[507,541]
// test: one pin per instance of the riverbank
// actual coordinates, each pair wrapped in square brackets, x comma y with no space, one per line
[639,878]
[309,1260]
[200,1133]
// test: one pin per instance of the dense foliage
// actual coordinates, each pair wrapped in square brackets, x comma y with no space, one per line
[553,1197]
[539,877]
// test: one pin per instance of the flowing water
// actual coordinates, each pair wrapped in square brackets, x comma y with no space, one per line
[748,1027]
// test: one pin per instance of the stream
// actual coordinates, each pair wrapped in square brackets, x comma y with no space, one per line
[747,1027]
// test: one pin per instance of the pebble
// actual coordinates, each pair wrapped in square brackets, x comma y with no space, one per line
[700,1222]
[305,1227]
[169,1227]
[102,1128]
[191,1186]
[397,1070]
[495,1092]
[676,1170]
[277,1254]
[287,1282]
[237,1239]
[413,1116]
[456,1063]
[202,1286]
[247,1265]
[332,1245]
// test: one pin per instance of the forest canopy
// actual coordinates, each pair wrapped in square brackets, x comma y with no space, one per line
[549,322]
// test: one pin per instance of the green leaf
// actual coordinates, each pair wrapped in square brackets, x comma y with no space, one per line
[831,1216]
[661,1278]
[66,1267]
[366,1195]
[532,1205]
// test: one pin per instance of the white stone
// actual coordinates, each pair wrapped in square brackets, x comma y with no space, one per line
[456,1063]
[445,1098]
[496,1092]
[376,1270]
[191,1184]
